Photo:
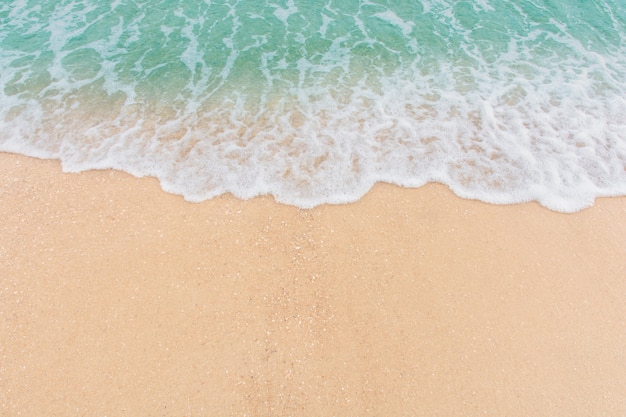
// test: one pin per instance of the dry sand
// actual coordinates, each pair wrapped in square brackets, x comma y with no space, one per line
[118,299]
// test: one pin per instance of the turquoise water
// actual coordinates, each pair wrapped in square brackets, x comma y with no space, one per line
[313,102]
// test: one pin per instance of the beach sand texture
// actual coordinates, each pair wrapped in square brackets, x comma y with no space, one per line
[118,299]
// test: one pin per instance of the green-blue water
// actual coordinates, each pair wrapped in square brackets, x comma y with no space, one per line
[315,101]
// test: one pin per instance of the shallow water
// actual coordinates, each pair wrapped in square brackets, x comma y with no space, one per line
[314,102]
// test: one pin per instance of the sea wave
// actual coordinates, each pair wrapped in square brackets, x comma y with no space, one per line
[504,102]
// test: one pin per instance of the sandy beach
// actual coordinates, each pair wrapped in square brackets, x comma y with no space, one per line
[118,299]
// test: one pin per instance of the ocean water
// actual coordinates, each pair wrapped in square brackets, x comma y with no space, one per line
[315,101]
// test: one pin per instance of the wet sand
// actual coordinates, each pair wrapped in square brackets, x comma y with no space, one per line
[119,299]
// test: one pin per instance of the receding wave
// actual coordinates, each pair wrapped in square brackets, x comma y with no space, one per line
[315,102]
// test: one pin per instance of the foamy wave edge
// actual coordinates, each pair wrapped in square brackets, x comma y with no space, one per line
[507,141]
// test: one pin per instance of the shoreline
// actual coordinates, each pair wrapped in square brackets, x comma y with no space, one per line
[118,298]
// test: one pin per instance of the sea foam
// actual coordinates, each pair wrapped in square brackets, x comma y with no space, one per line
[503,102]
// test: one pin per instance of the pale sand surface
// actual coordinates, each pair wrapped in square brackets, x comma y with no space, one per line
[118,299]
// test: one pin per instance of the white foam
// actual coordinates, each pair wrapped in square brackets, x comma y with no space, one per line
[392,18]
[283,13]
